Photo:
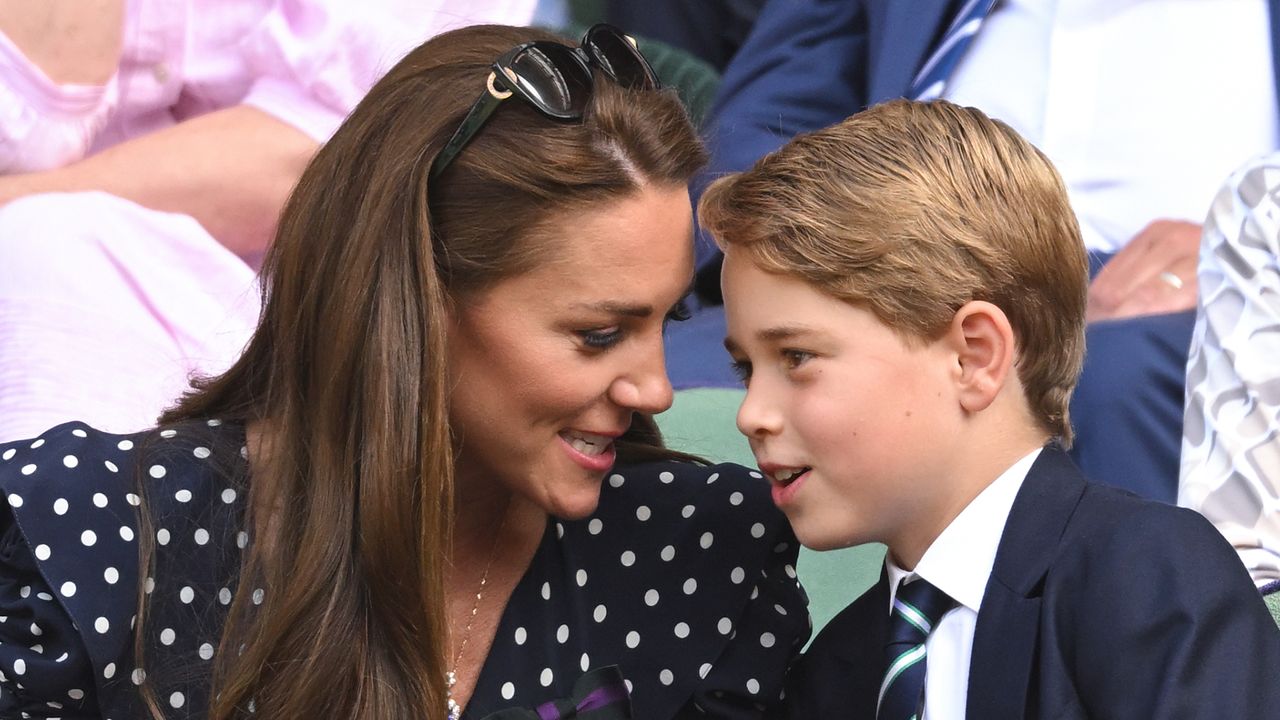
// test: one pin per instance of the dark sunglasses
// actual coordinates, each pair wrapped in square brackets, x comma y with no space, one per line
[555,79]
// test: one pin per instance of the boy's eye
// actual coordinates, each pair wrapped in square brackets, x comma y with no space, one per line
[795,358]
[601,339]
[741,369]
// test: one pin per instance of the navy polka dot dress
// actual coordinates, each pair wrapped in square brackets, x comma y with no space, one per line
[684,578]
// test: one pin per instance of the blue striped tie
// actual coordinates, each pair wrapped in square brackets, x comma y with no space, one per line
[917,608]
[932,77]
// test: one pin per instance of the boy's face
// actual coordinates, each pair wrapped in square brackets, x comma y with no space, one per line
[852,426]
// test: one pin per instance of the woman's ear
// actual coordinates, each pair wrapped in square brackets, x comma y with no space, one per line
[986,351]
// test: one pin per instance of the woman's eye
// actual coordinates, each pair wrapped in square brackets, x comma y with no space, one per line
[795,358]
[602,339]
[678,313]
[741,369]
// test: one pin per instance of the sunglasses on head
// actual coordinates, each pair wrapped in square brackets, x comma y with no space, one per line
[555,79]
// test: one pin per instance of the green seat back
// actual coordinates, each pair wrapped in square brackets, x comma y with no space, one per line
[1273,604]
[702,422]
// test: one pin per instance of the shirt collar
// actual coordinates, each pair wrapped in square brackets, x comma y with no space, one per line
[959,560]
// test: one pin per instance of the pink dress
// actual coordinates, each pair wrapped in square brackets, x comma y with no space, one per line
[107,307]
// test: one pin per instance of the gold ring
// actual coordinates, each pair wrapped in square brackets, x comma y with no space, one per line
[499,94]
[1171,280]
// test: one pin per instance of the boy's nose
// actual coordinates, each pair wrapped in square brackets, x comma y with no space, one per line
[756,415]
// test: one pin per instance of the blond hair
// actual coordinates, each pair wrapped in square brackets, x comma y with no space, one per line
[910,210]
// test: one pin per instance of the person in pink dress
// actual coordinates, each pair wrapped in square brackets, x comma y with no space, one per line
[146,148]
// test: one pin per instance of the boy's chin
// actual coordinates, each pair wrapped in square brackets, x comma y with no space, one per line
[821,539]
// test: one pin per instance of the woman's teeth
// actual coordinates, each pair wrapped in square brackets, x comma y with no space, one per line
[586,443]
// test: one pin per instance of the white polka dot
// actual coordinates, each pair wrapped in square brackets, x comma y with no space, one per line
[651,598]
[19,667]
[630,688]
[162,536]
[15,500]
[111,575]
[666,477]
[138,675]
[71,461]
[182,496]
[24,592]
[790,570]
[68,589]
[110,466]
[109,671]
[201,452]
[213,422]
[682,630]
[257,597]
[560,530]
[595,526]
[28,469]
[37,443]
[687,511]
[755,475]
[186,595]
[100,500]
[757,530]
[738,575]
[202,536]
[60,506]
[735,498]
[133,499]
[633,639]
[628,558]
[725,626]
[767,640]
[228,496]
[508,691]
[666,677]
[585,663]
[755,592]
[581,578]
[149,585]
[35,630]
[43,552]
[706,540]
[521,635]
[88,538]
[668,553]
[126,533]
[712,478]
[206,651]
[157,471]
[753,686]
[690,586]
[242,539]
[102,625]
[600,613]
[546,591]
[616,481]
[780,610]
[8,454]
[79,433]
[168,433]
[643,513]
[125,444]
[177,700]
[704,670]
[547,677]
[562,634]
[167,636]
[224,596]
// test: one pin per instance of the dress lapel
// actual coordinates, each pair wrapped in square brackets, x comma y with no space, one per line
[1007,634]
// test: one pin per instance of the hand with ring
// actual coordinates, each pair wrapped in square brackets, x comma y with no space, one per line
[1154,274]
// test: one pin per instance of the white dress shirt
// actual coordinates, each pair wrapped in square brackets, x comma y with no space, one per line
[1144,106]
[959,563]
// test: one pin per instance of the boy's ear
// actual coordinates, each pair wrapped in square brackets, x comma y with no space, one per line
[986,351]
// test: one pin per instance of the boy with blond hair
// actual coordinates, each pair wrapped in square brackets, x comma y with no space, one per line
[905,298]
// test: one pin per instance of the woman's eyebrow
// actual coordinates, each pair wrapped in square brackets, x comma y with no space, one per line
[617,308]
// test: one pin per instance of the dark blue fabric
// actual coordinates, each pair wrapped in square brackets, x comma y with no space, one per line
[1099,604]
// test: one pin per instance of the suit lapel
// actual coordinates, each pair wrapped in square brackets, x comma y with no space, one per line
[1006,639]
[1273,7]
[910,32]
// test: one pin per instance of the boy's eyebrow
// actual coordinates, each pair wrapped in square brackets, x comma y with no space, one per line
[775,334]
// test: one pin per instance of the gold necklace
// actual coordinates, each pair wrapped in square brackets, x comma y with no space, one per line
[451,677]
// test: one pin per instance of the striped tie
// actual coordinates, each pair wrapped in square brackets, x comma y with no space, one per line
[932,78]
[917,608]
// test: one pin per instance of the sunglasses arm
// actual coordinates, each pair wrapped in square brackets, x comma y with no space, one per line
[476,117]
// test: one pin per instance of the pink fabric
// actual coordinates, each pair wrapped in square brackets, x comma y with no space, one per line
[107,307]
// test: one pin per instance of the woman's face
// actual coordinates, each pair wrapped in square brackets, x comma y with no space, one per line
[548,367]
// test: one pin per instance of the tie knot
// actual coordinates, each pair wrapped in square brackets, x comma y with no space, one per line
[917,608]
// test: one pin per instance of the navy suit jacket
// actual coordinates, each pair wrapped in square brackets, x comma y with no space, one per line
[811,63]
[1100,605]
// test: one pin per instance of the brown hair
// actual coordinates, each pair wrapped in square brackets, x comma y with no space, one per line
[913,209]
[347,368]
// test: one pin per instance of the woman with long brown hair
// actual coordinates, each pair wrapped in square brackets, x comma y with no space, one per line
[431,487]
